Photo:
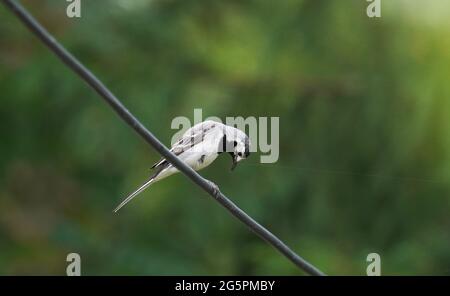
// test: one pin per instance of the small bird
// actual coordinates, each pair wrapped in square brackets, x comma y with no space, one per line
[198,148]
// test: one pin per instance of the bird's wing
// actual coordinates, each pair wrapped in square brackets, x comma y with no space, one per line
[190,138]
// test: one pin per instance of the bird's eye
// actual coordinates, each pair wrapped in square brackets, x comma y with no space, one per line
[239,154]
[235,143]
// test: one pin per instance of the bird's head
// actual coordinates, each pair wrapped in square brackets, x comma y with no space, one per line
[238,146]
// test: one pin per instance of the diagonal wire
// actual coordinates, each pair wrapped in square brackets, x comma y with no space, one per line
[84,73]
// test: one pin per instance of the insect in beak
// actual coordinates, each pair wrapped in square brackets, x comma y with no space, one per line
[233,166]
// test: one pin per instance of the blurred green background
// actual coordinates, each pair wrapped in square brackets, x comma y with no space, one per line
[364,107]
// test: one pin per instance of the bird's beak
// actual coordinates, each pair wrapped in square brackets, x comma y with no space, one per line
[233,166]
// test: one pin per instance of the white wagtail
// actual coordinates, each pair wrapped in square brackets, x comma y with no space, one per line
[198,148]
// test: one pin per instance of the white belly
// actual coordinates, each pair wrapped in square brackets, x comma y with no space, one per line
[205,161]
[197,159]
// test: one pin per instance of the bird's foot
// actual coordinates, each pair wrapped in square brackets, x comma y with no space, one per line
[215,188]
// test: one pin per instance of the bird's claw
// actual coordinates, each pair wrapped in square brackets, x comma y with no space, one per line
[215,188]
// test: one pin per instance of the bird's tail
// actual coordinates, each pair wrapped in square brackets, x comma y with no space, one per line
[132,195]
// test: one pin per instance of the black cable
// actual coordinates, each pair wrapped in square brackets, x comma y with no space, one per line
[120,109]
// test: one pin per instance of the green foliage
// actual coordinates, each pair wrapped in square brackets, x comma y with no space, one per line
[364,144]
